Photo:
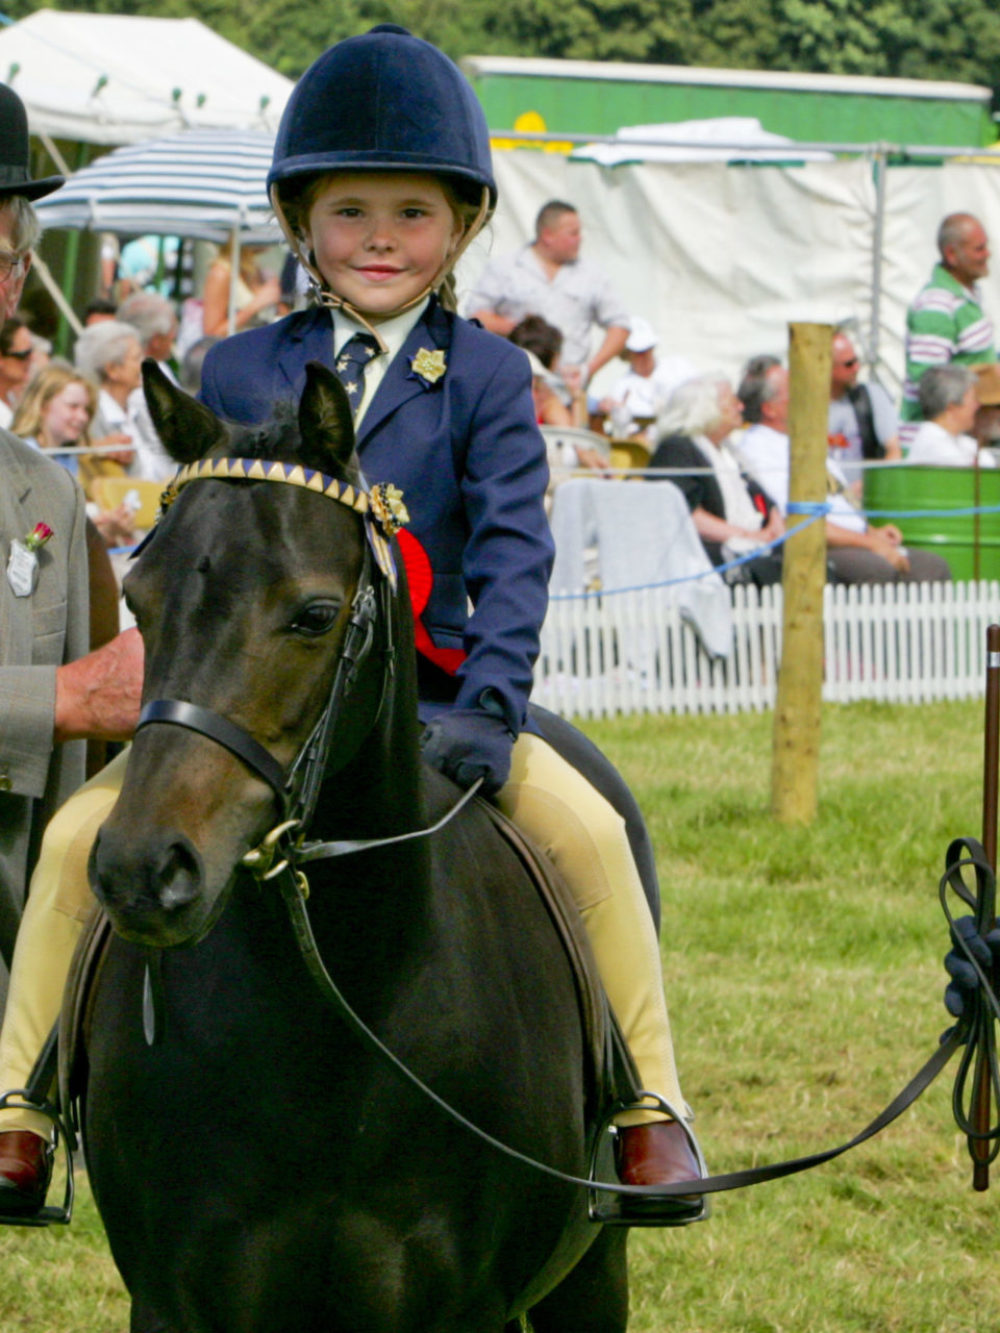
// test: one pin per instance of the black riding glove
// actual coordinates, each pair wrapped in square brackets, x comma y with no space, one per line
[465,744]
[964,979]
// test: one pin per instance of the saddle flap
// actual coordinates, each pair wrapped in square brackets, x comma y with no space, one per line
[83,972]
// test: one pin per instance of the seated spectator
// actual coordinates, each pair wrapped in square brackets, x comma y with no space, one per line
[863,424]
[732,515]
[548,277]
[856,551]
[949,400]
[41,355]
[986,426]
[155,321]
[55,414]
[109,352]
[637,399]
[543,343]
[99,310]
[15,365]
[257,292]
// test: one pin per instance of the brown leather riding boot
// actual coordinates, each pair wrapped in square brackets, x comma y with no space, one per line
[25,1171]
[656,1154]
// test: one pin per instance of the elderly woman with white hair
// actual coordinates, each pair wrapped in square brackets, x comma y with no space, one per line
[734,517]
[949,400]
[110,352]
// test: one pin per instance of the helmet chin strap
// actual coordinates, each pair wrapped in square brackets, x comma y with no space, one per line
[321,292]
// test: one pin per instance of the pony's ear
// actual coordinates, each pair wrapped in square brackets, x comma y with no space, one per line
[187,429]
[326,421]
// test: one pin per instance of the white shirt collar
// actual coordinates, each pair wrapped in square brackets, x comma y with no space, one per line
[393,332]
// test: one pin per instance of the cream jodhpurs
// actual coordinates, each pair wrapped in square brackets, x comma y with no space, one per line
[544,796]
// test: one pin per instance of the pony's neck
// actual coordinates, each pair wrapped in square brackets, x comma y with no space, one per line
[379,791]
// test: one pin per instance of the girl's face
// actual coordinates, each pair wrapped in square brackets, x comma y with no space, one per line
[67,416]
[379,239]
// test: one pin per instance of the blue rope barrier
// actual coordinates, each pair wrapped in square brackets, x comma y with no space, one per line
[814,508]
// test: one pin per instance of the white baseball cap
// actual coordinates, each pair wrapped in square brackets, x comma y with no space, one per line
[641,337]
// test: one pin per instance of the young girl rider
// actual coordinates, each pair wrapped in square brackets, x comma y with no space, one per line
[381,177]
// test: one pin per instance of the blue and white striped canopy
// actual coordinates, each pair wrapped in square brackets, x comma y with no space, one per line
[202,183]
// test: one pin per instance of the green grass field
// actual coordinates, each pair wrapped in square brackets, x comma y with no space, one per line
[804,978]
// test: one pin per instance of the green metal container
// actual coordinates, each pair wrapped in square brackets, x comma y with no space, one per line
[924,499]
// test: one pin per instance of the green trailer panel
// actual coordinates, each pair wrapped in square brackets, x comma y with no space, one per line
[851,110]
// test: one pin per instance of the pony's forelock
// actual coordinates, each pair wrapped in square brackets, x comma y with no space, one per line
[280,439]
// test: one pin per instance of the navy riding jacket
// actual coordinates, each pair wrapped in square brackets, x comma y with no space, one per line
[466,453]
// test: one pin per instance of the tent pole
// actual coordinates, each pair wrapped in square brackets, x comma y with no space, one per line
[878,232]
[69,268]
[234,271]
[68,314]
[53,152]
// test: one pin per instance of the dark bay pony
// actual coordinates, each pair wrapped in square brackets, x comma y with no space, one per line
[257,1168]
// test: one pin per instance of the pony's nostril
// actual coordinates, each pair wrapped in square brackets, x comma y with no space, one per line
[179,875]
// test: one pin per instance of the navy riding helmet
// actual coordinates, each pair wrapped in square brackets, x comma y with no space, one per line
[385,101]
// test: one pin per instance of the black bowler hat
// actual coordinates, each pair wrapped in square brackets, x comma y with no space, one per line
[14,175]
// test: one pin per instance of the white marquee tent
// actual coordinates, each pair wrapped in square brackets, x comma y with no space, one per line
[719,259]
[117,79]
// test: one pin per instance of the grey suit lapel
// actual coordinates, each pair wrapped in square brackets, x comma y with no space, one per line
[15,612]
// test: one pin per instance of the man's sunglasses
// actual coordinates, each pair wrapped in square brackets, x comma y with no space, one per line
[18,356]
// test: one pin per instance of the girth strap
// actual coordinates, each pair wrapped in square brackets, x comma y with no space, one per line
[226,733]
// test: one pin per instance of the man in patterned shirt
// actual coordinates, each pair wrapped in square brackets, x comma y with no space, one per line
[547,277]
[946,322]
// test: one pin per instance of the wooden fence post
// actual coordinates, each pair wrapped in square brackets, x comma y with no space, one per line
[795,757]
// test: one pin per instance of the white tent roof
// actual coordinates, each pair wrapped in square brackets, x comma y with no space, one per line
[115,79]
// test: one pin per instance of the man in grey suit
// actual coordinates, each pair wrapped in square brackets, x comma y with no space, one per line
[51,695]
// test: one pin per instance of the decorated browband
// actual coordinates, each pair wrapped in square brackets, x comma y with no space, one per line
[381,506]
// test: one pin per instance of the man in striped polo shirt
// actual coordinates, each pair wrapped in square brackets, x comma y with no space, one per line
[946,322]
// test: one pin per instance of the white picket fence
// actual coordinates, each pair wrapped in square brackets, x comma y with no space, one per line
[631,652]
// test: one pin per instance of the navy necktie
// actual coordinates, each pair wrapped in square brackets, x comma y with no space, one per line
[350,365]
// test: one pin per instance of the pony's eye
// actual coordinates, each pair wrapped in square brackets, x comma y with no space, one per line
[316,618]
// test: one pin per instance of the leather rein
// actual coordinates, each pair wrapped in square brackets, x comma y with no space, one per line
[280,854]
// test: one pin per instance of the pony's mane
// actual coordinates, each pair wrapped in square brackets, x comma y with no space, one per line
[280,439]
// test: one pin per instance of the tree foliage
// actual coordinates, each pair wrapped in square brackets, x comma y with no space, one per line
[930,39]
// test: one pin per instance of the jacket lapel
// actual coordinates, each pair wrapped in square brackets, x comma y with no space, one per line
[310,339]
[15,612]
[400,384]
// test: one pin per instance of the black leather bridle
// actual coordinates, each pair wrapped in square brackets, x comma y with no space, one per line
[296,788]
